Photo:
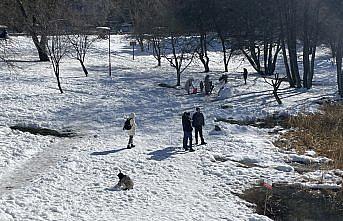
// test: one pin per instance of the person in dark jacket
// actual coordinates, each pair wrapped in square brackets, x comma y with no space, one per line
[198,123]
[245,75]
[201,86]
[208,85]
[187,131]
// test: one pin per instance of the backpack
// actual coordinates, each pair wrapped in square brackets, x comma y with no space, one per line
[127,124]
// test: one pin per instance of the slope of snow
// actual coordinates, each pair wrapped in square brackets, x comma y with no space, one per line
[46,178]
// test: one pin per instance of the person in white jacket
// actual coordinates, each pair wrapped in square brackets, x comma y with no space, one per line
[132,131]
[189,85]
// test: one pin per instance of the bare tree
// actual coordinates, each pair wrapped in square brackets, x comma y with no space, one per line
[333,14]
[288,20]
[181,56]
[80,44]
[36,15]
[310,39]
[157,38]
[57,46]
[259,35]
[275,83]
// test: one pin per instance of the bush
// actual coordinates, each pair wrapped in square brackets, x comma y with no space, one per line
[322,132]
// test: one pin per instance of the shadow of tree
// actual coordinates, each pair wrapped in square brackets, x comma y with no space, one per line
[101,153]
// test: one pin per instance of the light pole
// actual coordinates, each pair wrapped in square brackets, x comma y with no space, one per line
[109,47]
[133,44]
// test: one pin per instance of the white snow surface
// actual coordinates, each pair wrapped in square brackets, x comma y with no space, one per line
[48,178]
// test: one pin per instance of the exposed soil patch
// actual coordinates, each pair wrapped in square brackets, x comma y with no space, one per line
[220,158]
[166,85]
[44,131]
[268,122]
[296,203]
[305,168]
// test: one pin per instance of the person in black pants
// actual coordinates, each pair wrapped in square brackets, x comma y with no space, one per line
[187,131]
[245,75]
[198,123]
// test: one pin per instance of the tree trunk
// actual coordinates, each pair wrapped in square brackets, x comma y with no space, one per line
[178,75]
[339,57]
[285,60]
[289,14]
[83,67]
[203,52]
[157,51]
[57,74]
[312,66]
[310,38]
[176,65]
[277,97]
[222,40]
[313,47]
[40,45]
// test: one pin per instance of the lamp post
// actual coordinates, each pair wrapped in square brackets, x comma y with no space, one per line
[109,47]
[133,44]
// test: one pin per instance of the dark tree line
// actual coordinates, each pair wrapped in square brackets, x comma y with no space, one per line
[262,30]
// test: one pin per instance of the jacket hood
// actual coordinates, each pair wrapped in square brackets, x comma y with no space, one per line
[120,175]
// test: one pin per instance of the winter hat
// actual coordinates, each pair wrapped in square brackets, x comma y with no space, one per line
[132,115]
[120,175]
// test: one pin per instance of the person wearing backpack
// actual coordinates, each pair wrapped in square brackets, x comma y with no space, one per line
[130,126]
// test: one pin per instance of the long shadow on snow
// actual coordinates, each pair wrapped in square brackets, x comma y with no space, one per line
[165,153]
[106,152]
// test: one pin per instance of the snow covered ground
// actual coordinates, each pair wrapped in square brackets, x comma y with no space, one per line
[49,178]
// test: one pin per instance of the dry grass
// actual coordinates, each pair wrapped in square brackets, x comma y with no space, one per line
[322,132]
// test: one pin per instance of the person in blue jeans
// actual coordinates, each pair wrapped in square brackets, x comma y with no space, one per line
[187,131]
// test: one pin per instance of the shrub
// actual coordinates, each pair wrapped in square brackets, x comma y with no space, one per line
[322,132]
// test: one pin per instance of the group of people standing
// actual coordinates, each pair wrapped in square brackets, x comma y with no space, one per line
[197,121]
[205,86]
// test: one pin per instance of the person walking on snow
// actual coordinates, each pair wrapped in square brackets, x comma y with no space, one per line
[245,75]
[132,131]
[198,122]
[187,131]
[208,85]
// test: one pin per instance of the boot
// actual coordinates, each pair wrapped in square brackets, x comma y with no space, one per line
[132,145]
[129,146]
[190,147]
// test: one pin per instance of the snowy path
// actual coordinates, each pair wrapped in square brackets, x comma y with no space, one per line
[29,171]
